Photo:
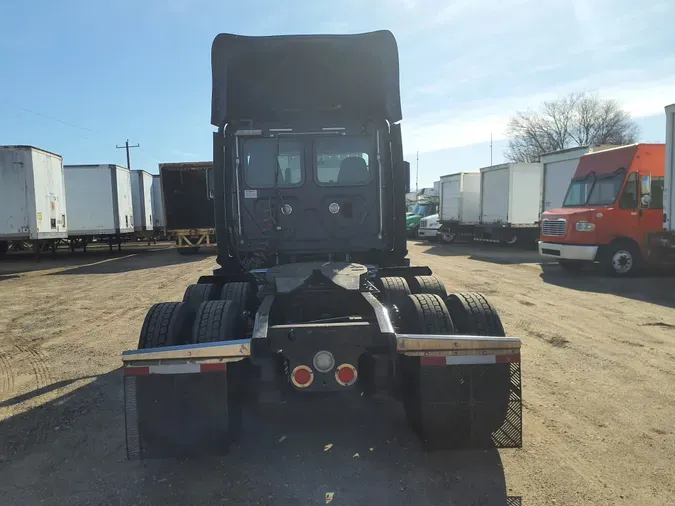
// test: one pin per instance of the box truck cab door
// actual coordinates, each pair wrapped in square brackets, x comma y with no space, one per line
[651,203]
[310,193]
[626,215]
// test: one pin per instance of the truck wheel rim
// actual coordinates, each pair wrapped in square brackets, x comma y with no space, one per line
[448,236]
[512,240]
[622,261]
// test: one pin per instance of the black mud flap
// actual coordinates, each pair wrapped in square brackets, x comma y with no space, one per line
[464,406]
[179,415]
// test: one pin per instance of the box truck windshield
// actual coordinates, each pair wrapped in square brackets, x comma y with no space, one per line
[594,190]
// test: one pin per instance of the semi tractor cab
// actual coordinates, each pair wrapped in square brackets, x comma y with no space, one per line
[314,295]
[613,203]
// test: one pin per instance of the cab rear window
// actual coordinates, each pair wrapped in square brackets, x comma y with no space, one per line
[270,163]
[342,161]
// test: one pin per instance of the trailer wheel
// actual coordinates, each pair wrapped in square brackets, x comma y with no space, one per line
[4,246]
[393,289]
[198,293]
[428,284]
[241,292]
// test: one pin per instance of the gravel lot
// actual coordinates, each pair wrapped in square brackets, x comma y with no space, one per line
[599,390]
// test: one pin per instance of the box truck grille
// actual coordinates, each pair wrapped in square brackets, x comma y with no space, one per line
[554,227]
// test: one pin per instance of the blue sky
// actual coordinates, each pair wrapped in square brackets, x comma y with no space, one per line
[141,69]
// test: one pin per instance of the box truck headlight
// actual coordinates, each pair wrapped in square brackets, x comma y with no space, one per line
[584,226]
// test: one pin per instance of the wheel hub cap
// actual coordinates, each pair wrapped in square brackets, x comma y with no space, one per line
[622,261]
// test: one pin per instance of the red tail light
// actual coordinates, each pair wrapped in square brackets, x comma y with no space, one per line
[302,376]
[346,375]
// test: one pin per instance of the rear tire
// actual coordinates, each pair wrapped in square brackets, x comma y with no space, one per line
[164,325]
[216,398]
[393,289]
[241,292]
[198,293]
[489,385]
[4,246]
[217,320]
[156,400]
[428,284]
[474,315]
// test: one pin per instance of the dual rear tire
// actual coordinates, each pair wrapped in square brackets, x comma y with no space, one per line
[453,406]
[193,414]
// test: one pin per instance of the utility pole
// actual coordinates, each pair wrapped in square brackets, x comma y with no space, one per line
[417,174]
[490,150]
[126,146]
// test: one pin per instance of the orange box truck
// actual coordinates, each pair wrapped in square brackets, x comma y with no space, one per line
[613,203]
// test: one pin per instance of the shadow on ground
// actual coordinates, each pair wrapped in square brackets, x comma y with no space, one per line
[655,286]
[22,262]
[485,252]
[136,262]
[98,262]
[71,451]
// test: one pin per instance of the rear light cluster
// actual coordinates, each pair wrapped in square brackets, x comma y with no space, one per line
[302,376]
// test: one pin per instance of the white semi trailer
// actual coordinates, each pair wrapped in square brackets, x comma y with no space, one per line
[32,198]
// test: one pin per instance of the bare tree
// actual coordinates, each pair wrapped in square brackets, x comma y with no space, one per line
[578,119]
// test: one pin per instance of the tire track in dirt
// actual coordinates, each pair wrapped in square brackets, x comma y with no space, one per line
[6,376]
[43,379]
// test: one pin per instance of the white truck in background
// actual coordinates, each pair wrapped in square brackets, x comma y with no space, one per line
[662,244]
[510,200]
[459,205]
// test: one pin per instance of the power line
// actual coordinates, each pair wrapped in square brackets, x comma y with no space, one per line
[26,109]
[63,122]
[149,154]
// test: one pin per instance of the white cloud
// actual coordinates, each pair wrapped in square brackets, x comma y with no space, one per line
[456,127]
[482,61]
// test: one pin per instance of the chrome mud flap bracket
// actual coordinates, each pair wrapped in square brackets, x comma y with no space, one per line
[468,389]
[180,400]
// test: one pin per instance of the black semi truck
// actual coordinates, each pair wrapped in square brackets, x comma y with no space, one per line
[314,294]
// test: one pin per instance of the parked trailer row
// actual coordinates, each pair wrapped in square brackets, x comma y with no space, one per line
[504,203]
[44,203]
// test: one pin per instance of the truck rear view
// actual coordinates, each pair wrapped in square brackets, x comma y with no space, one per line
[314,295]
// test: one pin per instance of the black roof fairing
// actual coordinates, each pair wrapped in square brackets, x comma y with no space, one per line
[307,77]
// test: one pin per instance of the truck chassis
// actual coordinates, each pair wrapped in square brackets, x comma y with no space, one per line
[272,335]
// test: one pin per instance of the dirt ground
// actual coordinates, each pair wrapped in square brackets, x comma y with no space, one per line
[599,395]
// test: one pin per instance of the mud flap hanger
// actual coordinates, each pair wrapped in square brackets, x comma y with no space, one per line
[493,349]
[168,360]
